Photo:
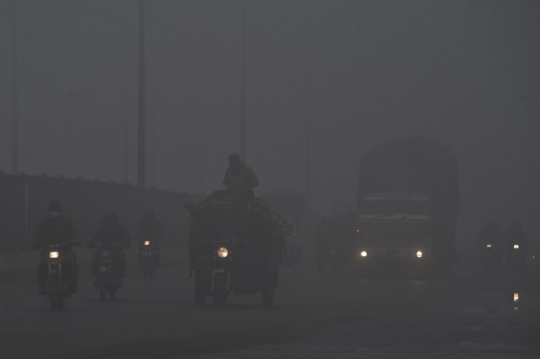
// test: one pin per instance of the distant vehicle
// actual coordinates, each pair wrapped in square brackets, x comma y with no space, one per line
[293,245]
[491,255]
[56,284]
[408,201]
[107,282]
[291,205]
[516,255]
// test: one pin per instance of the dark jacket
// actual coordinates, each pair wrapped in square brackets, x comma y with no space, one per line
[55,231]
[241,178]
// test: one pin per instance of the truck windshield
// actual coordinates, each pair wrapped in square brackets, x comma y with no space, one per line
[395,205]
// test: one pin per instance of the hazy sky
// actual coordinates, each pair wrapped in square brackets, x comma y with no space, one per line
[463,72]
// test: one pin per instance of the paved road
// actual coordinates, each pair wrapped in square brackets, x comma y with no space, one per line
[317,315]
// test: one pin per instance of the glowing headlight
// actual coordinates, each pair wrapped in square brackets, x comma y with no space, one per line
[516,246]
[516,297]
[146,243]
[53,254]
[222,252]
[489,246]
[419,254]
[363,254]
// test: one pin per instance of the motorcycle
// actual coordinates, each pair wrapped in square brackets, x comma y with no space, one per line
[56,283]
[516,256]
[491,255]
[224,266]
[149,258]
[107,281]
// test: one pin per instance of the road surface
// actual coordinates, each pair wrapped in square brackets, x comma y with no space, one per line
[472,313]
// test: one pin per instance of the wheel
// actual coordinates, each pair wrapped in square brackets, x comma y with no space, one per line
[268,298]
[102,283]
[52,291]
[220,298]
[145,271]
[61,302]
[199,288]
[151,272]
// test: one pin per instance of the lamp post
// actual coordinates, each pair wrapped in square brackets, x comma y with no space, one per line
[14,96]
[141,133]
[243,129]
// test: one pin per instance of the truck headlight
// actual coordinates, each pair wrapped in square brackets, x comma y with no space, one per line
[222,252]
[363,254]
[489,246]
[53,254]
[419,254]
[146,243]
[516,246]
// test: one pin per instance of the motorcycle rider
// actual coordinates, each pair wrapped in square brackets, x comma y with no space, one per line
[151,229]
[239,176]
[57,228]
[490,234]
[111,232]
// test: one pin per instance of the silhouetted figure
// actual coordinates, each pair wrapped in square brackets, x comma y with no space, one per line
[150,229]
[57,228]
[239,176]
[111,232]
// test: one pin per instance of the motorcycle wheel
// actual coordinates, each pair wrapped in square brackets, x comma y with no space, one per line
[52,290]
[102,286]
[61,301]
[199,292]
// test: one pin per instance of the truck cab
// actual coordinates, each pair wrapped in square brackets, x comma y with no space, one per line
[394,231]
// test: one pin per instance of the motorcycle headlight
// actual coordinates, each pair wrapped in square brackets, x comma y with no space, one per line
[489,246]
[419,254]
[53,254]
[222,252]
[363,254]
[146,243]
[516,246]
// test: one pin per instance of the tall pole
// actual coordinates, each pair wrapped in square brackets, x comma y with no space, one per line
[14,96]
[243,129]
[141,135]
[309,114]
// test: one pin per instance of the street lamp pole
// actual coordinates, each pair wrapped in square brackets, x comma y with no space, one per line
[14,96]
[141,135]
[243,129]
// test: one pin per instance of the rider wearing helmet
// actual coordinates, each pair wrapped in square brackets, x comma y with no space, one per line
[150,229]
[57,228]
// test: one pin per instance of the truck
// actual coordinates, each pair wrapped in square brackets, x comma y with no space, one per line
[408,205]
